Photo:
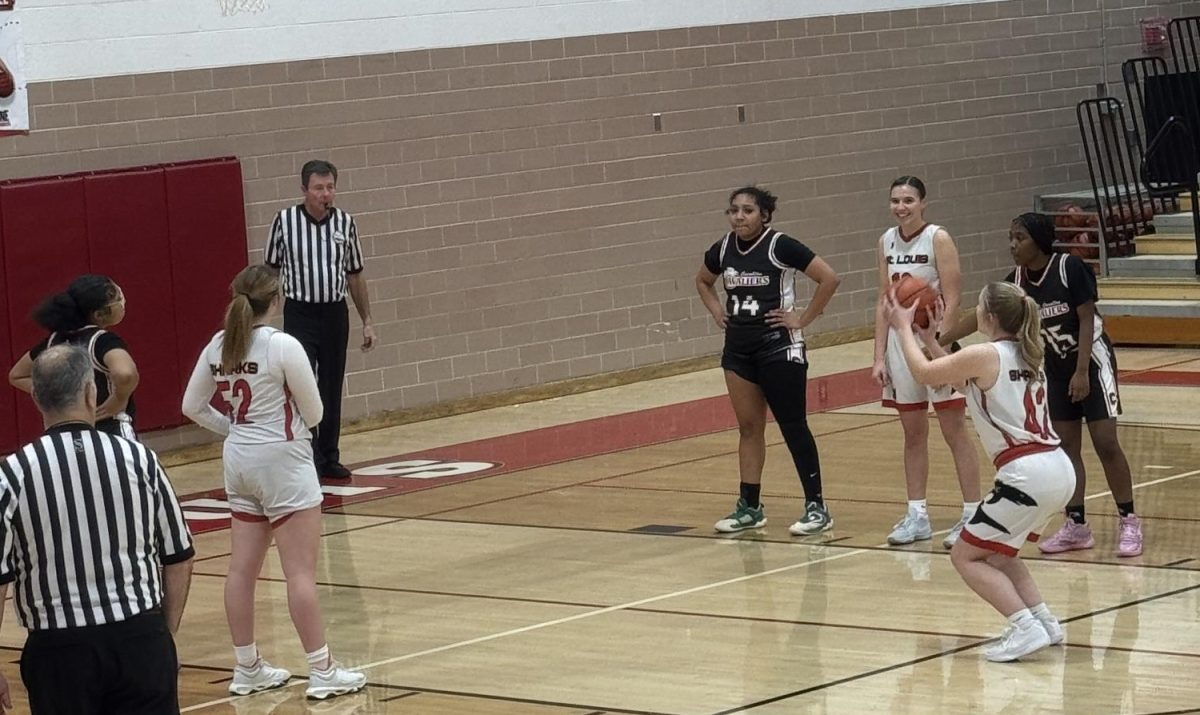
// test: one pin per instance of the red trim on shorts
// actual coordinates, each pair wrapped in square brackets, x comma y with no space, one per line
[249,518]
[973,540]
[951,404]
[906,406]
[258,518]
[1021,450]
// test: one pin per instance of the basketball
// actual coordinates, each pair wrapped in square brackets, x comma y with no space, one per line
[910,289]
[8,84]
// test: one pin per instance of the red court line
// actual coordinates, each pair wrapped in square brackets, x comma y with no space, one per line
[546,446]
[553,445]
[630,430]
[1167,378]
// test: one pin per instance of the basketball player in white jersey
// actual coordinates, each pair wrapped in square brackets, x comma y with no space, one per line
[268,398]
[927,252]
[1006,392]
[1081,374]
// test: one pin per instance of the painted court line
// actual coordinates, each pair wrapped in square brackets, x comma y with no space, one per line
[642,602]
[566,619]
[1163,480]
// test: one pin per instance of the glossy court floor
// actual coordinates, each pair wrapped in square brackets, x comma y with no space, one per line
[558,558]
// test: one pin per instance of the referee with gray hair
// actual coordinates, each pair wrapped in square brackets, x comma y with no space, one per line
[88,520]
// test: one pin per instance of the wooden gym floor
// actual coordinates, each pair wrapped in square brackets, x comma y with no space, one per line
[558,558]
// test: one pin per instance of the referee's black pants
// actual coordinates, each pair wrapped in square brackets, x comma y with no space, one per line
[324,331]
[129,667]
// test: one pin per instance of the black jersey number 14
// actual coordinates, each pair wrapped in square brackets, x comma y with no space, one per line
[749,305]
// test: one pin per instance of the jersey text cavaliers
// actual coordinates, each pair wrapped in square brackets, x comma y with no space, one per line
[758,276]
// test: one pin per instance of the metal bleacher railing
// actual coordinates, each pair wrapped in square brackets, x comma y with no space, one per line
[1143,164]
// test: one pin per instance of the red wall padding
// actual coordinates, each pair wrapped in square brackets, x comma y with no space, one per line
[8,395]
[128,240]
[207,217]
[45,247]
[173,236]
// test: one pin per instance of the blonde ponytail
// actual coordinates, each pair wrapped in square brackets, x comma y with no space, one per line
[1018,315]
[253,290]
[239,318]
[1032,349]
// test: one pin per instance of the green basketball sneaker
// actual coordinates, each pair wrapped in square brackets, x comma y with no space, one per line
[742,518]
[815,520]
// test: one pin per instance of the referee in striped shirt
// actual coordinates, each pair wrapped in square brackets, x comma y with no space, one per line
[315,247]
[87,521]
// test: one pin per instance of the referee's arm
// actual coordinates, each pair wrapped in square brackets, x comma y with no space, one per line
[357,283]
[9,491]
[5,697]
[175,551]
[276,248]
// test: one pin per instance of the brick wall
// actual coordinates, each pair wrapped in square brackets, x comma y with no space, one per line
[523,221]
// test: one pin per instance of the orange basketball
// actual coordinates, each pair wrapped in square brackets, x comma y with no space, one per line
[909,289]
[8,83]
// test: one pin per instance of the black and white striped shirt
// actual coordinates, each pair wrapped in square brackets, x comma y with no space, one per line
[86,520]
[313,256]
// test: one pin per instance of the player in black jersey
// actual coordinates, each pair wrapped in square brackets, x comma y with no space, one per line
[1081,376]
[764,358]
[83,315]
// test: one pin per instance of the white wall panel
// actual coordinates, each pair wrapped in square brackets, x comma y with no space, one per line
[69,39]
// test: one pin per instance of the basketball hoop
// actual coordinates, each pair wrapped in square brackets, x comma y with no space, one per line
[236,7]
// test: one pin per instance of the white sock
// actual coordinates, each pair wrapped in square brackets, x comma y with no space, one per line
[1021,618]
[1042,613]
[319,659]
[969,508]
[246,655]
[918,507]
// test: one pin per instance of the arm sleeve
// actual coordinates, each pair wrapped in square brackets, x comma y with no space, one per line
[197,398]
[791,252]
[298,377]
[354,258]
[174,538]
[275,244]
[1081,281]
[107,342]
[712,258]
[9,496]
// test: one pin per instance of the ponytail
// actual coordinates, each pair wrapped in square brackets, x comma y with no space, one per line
[253,290]
[73,308]
[59,313]
[1031,347]
[239,318]
[1018,315]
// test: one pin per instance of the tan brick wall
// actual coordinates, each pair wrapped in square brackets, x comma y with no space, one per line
[523,221]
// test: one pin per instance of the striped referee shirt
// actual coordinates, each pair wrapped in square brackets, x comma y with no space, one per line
[313,256]
[86,520]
